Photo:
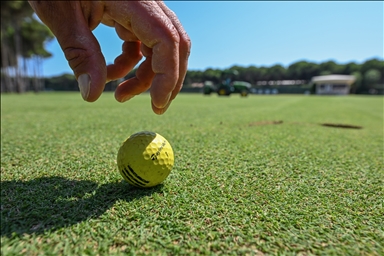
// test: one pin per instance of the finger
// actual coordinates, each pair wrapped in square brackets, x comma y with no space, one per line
[160,111]
[125,62]
[184,48]
[166,67]
[130,56]
[66,21]
[155,30]
[136,85]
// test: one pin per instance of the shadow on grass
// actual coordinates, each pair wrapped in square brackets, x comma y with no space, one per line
[333,125]
[50,203]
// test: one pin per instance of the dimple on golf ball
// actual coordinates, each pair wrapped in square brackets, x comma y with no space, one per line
[145,159]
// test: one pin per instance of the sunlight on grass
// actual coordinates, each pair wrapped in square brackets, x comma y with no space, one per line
[256,175]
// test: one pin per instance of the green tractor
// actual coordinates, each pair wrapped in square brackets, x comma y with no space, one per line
[227,86]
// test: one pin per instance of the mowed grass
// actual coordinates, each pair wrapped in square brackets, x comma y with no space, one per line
[252,176]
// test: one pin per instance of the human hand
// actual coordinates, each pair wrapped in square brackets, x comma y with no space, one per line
[148,28]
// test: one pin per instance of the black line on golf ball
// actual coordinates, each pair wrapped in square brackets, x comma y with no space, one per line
[132,179]
[154,156]
[137,176]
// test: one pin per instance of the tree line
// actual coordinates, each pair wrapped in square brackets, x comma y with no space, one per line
[369,75]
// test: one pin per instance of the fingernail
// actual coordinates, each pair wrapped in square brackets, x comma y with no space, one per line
[166,107]
[169,97]
[128,97]
[84,82]
[167,100]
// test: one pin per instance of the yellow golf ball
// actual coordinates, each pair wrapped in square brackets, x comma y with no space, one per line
[145,159]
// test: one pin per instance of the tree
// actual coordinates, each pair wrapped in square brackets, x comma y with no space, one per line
[325,73]
[277,72]
[230,73]
[374,64]
[263,73]
[358,82]
[350,68]
[194,77]
[212,75]
[65,82]
[251,74]
[372,77]
[330,66]
[303,70]
[22,41]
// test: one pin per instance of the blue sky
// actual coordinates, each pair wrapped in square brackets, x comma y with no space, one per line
[244,33]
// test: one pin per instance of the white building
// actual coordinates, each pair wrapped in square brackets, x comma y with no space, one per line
[333,84]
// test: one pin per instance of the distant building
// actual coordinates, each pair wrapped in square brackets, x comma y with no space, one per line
[333,84]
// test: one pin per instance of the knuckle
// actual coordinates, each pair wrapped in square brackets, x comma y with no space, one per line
[76,56]
[185,43]
[173,35]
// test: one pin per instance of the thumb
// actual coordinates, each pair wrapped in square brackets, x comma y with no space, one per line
[67,22]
